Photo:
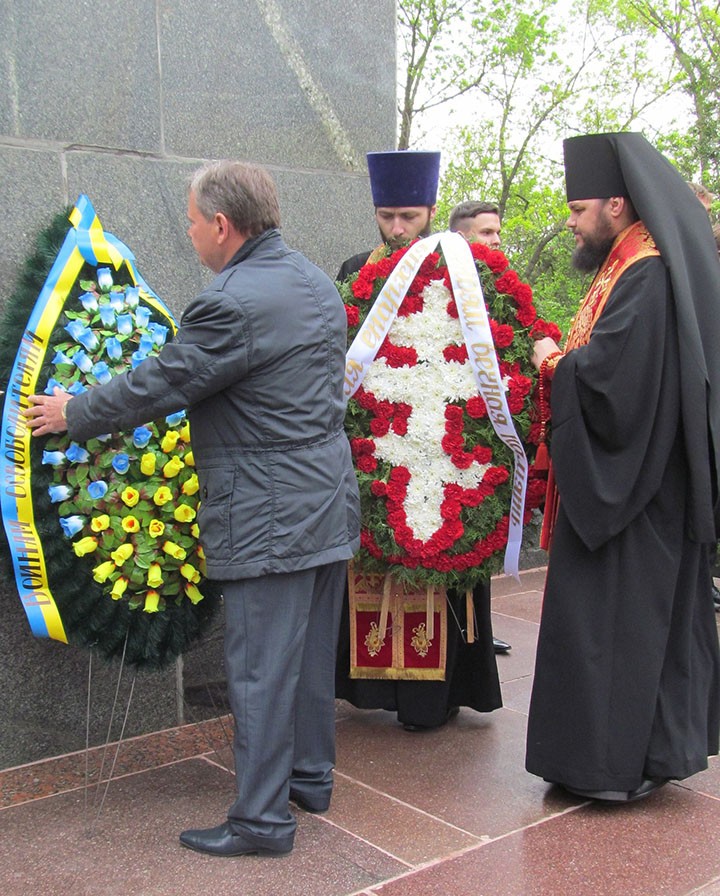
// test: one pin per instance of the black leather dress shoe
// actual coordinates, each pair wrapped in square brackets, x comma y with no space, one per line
[500,646]
[308,804]
[223,841]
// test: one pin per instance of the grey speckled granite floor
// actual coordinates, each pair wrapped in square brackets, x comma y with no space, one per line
[445,813]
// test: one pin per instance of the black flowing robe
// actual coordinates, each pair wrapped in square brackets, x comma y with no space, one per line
[627,672]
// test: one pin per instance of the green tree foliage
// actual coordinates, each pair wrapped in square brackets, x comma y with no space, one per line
[529,75]
[691,30]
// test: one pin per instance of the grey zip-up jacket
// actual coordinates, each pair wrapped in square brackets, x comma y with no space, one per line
[259,362]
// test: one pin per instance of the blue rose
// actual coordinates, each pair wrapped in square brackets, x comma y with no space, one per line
[137,358]
[174,419]
[113,347]
[97,489]
[107,315]
[104,279]
[117,301]
[132,296]
[146,344]
[61,358]
[141,436]
[81,360]
[76,454]
[71,525]
[101,372]
[159,333]
[52,383]
[59,493]
[88,339]
[77,389]
[53,457]
[125,324]
[89,301]
[75,328]
[121,463]
[142,316]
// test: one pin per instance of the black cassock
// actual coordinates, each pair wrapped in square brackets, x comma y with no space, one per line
[471,677]
[627,674]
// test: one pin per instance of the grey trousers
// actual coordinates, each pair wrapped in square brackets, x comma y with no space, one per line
[280,641]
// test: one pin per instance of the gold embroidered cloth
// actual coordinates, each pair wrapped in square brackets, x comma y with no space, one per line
[395,634]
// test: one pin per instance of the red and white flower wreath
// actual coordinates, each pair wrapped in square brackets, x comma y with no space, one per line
[434,478]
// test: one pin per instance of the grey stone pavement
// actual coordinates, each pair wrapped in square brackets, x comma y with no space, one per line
[449,812]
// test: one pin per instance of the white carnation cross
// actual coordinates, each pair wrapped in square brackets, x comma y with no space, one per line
[475,328]
[427,387]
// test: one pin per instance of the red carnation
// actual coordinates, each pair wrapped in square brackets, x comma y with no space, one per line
[456,353]
[545,328]
[476,407]
[526,315]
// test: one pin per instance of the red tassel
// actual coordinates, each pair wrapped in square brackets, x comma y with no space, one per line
[542,460]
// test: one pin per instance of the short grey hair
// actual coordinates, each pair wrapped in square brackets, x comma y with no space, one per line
[244,193]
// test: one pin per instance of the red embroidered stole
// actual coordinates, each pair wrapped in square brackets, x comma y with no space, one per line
[396,634]
[630,246]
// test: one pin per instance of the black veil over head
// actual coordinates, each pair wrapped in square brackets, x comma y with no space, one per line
[625,164]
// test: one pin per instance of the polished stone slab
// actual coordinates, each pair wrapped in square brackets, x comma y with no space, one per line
[442,813]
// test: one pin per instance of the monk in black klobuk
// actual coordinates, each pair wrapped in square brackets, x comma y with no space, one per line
[626,693]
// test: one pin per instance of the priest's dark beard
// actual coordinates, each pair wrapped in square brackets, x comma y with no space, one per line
[399,243]
[591,254]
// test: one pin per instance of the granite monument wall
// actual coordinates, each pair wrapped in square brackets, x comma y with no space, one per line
[122,100]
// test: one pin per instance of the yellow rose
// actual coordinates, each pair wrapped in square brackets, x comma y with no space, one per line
[189,459]
[130,496]
[195,531]
[193,592]
[118,588]
[85,546]
[185,431]
[170,440]
[174,550]
[102,572]
[130,524]
[123,553]
[172,467]
[152,599]
[191,485]
[156,528]
[188,571]
[162,495]
[147,463]
[154,576]
[184,513]
[200,552]
[100,523]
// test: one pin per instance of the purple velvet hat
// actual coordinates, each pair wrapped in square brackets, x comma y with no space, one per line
[404,178]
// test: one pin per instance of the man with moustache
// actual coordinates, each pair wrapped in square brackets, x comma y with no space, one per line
[404,189]
[626,690]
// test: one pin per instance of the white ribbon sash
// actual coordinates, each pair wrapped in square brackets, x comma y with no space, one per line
[476,331]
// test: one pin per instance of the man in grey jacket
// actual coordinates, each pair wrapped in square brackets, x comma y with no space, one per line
[258,362]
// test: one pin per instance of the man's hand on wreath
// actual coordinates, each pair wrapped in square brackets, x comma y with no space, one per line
[46,413]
